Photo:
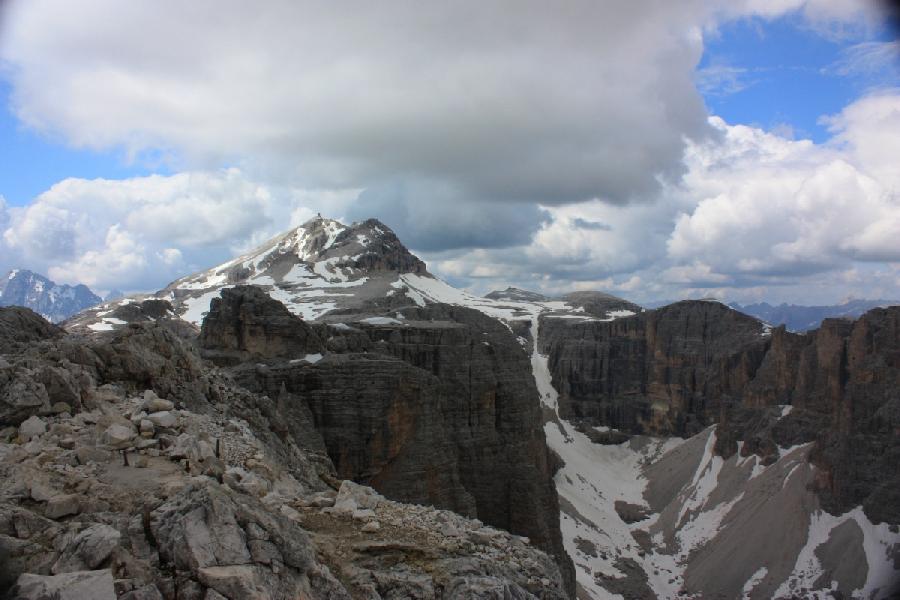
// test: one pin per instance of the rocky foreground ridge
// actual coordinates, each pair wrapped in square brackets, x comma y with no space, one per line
[132,468]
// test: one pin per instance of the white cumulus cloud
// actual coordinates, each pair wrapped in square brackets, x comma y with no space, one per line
[522,101]
[757,215]
[142,232]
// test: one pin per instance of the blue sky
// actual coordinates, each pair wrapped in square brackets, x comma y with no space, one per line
[31,162]
[786,74]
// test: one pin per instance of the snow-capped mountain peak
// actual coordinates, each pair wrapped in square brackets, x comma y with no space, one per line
[321,251]
[308,268]
[324,265]
[55,302]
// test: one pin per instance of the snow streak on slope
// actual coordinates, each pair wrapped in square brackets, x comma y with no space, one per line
[877,546]
[593,479]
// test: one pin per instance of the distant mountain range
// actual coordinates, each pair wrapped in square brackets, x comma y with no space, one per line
[803,318]
[55,302]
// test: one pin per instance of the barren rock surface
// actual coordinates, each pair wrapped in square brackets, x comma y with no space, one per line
[215,501]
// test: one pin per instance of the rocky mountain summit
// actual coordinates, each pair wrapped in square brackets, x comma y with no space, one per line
[584,447]
[315,268]
[55,302]
[318,268]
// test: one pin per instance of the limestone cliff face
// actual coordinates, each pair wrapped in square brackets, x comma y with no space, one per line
[850,374]
[437,407]
[691,364]
[668,371]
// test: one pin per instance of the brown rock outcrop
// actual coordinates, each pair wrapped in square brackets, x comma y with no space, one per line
[20,326]
[245,323]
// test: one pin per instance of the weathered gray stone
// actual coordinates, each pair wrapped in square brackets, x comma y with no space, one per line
[485,588]
[32,426]
[88,549]
[118,436]
[153,403]
[246,481]
[164,418]
[79,585]
[40,489]
[160,405]
[145,592]
[86,454]
[62,506]
[264,552]
[371,527]
[237,581]
[146,427]
[198,529]
[21,396]
[363,514]
[352,497]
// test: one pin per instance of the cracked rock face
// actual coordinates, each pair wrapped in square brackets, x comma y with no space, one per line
[667,371]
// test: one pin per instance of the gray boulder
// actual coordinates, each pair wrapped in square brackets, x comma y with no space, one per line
[20,396]
[118,436]
[62,506]
[353,497]
[88,549]
[32,426]
[163,418]
[78,585]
